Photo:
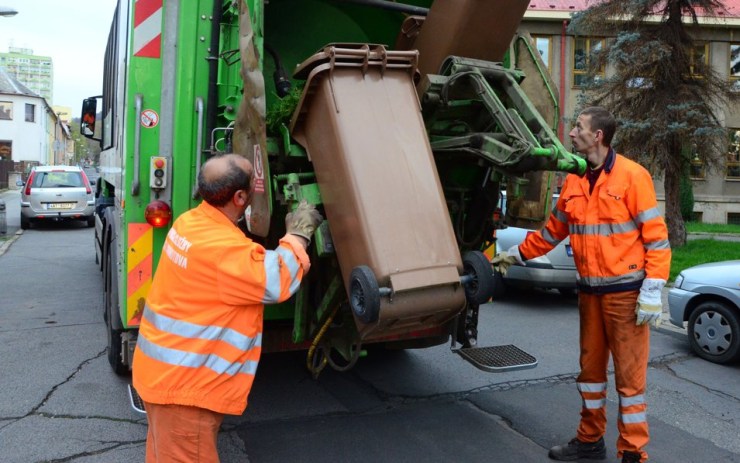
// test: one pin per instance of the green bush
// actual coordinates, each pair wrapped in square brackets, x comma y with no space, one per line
[686,197]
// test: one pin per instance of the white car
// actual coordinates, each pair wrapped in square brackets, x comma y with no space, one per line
[554,270]
[707,298]
[54,193]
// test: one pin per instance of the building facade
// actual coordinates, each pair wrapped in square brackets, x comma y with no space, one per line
[35,72]
[716,194]
[30,131]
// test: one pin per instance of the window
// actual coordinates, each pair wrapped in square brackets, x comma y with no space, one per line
[699,59]
[733,155]
[697,216]
[544,46]
[696,168]
[30,113]
[583,50]
[6,111]
[6,149]
[733,218]
[735,65]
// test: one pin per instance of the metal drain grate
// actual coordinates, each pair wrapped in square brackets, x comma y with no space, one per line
[498,359]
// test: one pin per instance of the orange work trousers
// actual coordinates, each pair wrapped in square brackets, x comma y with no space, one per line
[181,434]
[608,325]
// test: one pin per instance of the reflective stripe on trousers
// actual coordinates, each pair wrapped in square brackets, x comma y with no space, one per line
[608,326]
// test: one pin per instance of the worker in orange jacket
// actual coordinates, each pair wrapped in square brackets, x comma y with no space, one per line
[201,332]
[622,254]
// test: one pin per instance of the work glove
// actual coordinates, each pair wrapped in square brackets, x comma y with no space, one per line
[505,259]
[303,220]
[649,304]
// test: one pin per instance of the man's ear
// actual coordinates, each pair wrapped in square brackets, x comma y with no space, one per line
[241,198]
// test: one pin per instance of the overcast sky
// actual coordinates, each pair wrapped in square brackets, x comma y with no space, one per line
[72,32]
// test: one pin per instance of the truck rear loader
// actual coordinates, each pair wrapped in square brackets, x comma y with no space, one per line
[402,123]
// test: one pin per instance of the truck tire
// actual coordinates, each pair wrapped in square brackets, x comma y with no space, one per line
[480,290]
[364,294]
[113,335]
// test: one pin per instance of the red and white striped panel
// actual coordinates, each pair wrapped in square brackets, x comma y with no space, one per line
[148,28]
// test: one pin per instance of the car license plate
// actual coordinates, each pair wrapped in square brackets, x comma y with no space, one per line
[61,205]
[569,250]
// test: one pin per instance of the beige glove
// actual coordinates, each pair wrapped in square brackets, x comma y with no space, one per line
[649,304]
[303,220]
[505,259]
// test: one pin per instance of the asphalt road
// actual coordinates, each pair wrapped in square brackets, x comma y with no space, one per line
[60,402]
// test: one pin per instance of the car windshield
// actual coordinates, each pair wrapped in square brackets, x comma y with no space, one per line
[57,180]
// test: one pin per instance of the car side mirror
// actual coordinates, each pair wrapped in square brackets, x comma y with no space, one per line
[20,183]
[93,182]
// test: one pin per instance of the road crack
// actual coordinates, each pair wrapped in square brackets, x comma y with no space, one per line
[69,378]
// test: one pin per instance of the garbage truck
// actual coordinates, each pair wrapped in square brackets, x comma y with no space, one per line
[401,122]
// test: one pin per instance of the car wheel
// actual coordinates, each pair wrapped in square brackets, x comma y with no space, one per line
[25,223]
[90,221]
[714,332]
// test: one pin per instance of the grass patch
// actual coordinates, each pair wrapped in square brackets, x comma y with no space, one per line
[697,252]
[698,227]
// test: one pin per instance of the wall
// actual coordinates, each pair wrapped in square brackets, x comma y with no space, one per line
[29,141]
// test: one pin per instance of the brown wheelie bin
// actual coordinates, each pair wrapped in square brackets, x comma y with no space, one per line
[360,122]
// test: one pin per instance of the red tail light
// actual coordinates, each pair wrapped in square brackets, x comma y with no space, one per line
[86,181]
[28,184]
[158,214]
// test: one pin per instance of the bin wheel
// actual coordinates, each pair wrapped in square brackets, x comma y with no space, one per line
[480,290]
[364,294]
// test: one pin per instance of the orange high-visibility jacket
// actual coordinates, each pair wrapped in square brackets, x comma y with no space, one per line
[201,332]
[617,233]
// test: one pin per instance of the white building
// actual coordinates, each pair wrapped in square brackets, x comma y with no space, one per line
[30,131]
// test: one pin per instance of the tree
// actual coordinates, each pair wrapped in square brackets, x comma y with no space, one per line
[662,96]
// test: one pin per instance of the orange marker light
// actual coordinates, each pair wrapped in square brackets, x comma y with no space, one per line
[158,214]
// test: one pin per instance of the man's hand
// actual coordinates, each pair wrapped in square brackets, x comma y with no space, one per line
[303,221]
[649,304]
[505,259]
[648,313]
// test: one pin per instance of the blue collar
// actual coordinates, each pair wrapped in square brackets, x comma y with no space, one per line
[611,158]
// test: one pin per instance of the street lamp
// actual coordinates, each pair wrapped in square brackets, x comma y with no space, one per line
[7,11]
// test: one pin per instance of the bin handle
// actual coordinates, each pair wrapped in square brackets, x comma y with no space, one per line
[198,142]
[139,104]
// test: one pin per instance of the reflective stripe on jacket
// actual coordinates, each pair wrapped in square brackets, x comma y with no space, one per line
[617,233]
[201,331]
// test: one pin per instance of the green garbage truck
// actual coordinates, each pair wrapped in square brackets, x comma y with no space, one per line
[401,122]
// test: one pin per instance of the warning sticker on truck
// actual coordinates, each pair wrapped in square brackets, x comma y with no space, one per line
[259,171]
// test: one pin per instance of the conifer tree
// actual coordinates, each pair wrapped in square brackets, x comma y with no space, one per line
[658,87]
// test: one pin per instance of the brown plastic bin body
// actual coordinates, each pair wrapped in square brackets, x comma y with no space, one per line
[362,128]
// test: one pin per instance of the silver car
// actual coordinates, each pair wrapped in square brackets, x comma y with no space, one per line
[555,270]
[54,193]
[707,296]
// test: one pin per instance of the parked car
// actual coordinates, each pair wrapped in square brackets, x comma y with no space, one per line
[707,297]
[56,193]
[554,270]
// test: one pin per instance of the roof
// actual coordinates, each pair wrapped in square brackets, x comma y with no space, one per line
[732,6]
[9,85]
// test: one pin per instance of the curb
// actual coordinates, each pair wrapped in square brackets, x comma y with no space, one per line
[6,244]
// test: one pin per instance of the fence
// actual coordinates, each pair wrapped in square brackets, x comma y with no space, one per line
[6,167]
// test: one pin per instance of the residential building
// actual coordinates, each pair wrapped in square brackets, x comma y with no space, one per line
[716,194]
[30,131]
[35,72]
